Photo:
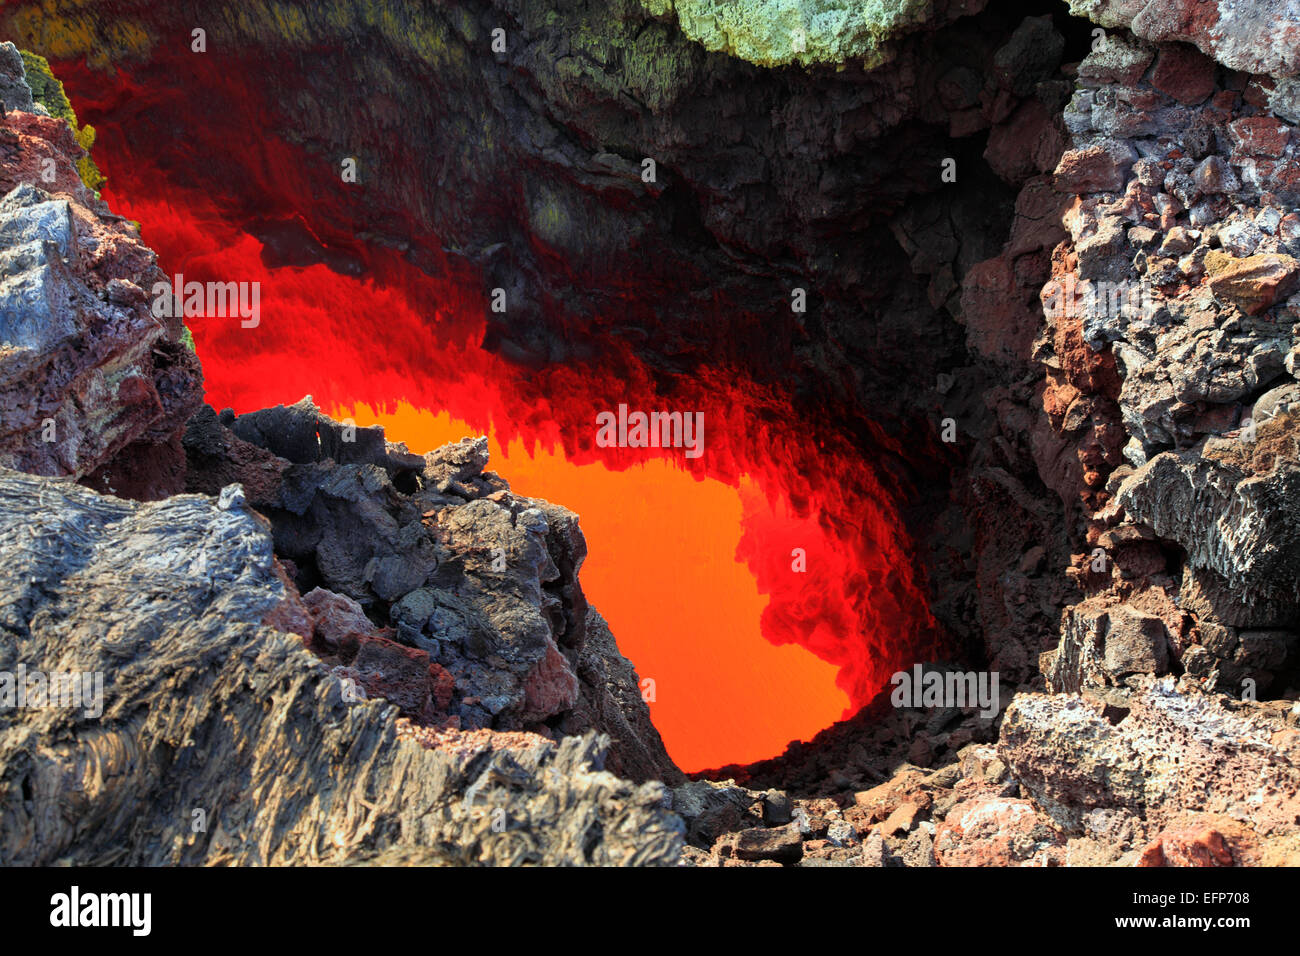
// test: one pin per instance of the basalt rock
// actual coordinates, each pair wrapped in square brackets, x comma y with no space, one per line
[473,590]
[1260,36]
[609,699]
[92,385]
[214,711]
[1231,505]
[1176,752]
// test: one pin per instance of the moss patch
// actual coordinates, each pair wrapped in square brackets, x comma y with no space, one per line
[49,92]
[780,32]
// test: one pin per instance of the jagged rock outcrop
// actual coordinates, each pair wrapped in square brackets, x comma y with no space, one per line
[222,740]
[609,699]
[92,385]
[166,697]
[1232,507]
[474,590]
[1258,36]
[1170,327]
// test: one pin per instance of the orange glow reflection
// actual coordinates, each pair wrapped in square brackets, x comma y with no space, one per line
[663,572]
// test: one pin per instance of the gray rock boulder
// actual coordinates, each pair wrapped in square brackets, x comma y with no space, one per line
[1119,777]
[218,739]
[1234,507]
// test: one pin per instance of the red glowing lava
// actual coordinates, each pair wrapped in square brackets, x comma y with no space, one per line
[766,587]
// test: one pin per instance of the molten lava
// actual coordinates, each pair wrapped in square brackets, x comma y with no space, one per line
[765,588]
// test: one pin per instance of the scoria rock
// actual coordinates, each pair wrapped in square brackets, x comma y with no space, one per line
[1118,777]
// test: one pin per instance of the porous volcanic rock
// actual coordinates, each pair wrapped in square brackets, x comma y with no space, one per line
[1255,36]
[1177,751]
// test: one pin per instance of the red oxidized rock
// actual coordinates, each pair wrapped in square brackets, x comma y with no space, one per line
[1001,315]
[397,673]
[443,684]
[1259,136]
[1093,169]
[993,831]
[43,138]
[1188,846]
[92,385]
[551,687]
[333,617]
[290,615]
[1183,73]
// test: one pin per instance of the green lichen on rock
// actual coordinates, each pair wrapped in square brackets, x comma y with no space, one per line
[49,92]
[1098,12]
[613,49]
[781,32]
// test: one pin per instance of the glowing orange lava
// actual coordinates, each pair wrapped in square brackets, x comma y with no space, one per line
[690,561]
[663,572]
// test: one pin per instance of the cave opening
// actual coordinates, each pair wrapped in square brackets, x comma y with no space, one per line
[767,589]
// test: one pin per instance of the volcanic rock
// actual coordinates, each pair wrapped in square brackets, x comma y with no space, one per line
[203,694]
[778,809]
[782,845]
[1254,283]
[993,832]
[806,32]
[712,810]
[92,385]
[482,581]
[1202,843]
[1231,507]
[1183,73]
[1176,750]
[1257,37]
[1102,645]
[14,91]
[1094,169]
[610,701]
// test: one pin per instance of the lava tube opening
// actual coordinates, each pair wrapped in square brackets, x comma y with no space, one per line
[763,589]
